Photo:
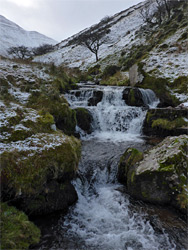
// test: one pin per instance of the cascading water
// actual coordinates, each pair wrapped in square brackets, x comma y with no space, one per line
[103,218]
[112,118]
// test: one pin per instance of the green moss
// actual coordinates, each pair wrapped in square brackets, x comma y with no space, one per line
[95,70]
[57,106]
[180,84]
[18,135]
[28,173]
[17,232]
[182,198]
[169,125]
[110,70]
[132,176]
[46,118]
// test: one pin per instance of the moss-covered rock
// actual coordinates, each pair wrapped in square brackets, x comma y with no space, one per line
[161,176]
[84,119]
[29,167]
[56,105]
[166,121]
[133,97]
[17,232]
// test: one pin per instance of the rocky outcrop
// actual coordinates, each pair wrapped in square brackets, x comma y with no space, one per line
[96,98]
[36,172]
[84,119]
[160,175]
[165,122]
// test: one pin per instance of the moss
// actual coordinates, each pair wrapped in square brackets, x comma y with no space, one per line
[110,70]
[57,106]
[180,84]
[46,118]
[132,97]
[127,161]
[169,125]
[17,232]
[182,198]
[28,173]
[116,80]
[18,135]
[95,70]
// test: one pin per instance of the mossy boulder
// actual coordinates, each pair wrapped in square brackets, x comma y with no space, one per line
[34,170]
[17,232]
[160,175]
[57,106]
[165,122]
[133,97]
[84,119]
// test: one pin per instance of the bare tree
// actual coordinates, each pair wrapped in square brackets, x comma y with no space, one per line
[146,13]
[43,49]
[93,40]
[20,52]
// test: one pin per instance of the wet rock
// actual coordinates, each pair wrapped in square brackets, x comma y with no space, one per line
[133,97]
[84,119]
[56,196]
[165,122]
[97,97]
[161,176]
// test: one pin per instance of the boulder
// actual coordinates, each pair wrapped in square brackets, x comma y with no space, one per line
[166,121]
[84,119]
[96,98]
[158,176]
[37,172]
[133,97]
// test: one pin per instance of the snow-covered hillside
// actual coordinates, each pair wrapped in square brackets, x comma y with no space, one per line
[13,35]
[127,32]
[123,27]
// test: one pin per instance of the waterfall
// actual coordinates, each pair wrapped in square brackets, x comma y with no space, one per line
[112,118]
[103,217]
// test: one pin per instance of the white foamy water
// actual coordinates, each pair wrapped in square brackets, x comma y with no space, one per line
[113,119]
[102,217]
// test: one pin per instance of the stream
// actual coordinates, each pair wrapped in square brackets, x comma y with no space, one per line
[105,217]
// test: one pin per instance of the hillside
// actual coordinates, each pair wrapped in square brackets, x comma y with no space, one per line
[163,48]
[14,35]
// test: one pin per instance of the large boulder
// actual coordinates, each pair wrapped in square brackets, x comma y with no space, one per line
[133,97]
[37,172]
[96,98]
[84,119]
[166,121]
[160,175]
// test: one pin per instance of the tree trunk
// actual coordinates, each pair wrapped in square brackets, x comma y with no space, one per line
[96,54]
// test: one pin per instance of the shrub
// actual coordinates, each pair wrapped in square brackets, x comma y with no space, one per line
[110,70]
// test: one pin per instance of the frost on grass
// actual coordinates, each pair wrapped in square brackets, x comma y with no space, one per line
[35,143]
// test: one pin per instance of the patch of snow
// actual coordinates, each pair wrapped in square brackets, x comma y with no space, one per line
[36,143]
